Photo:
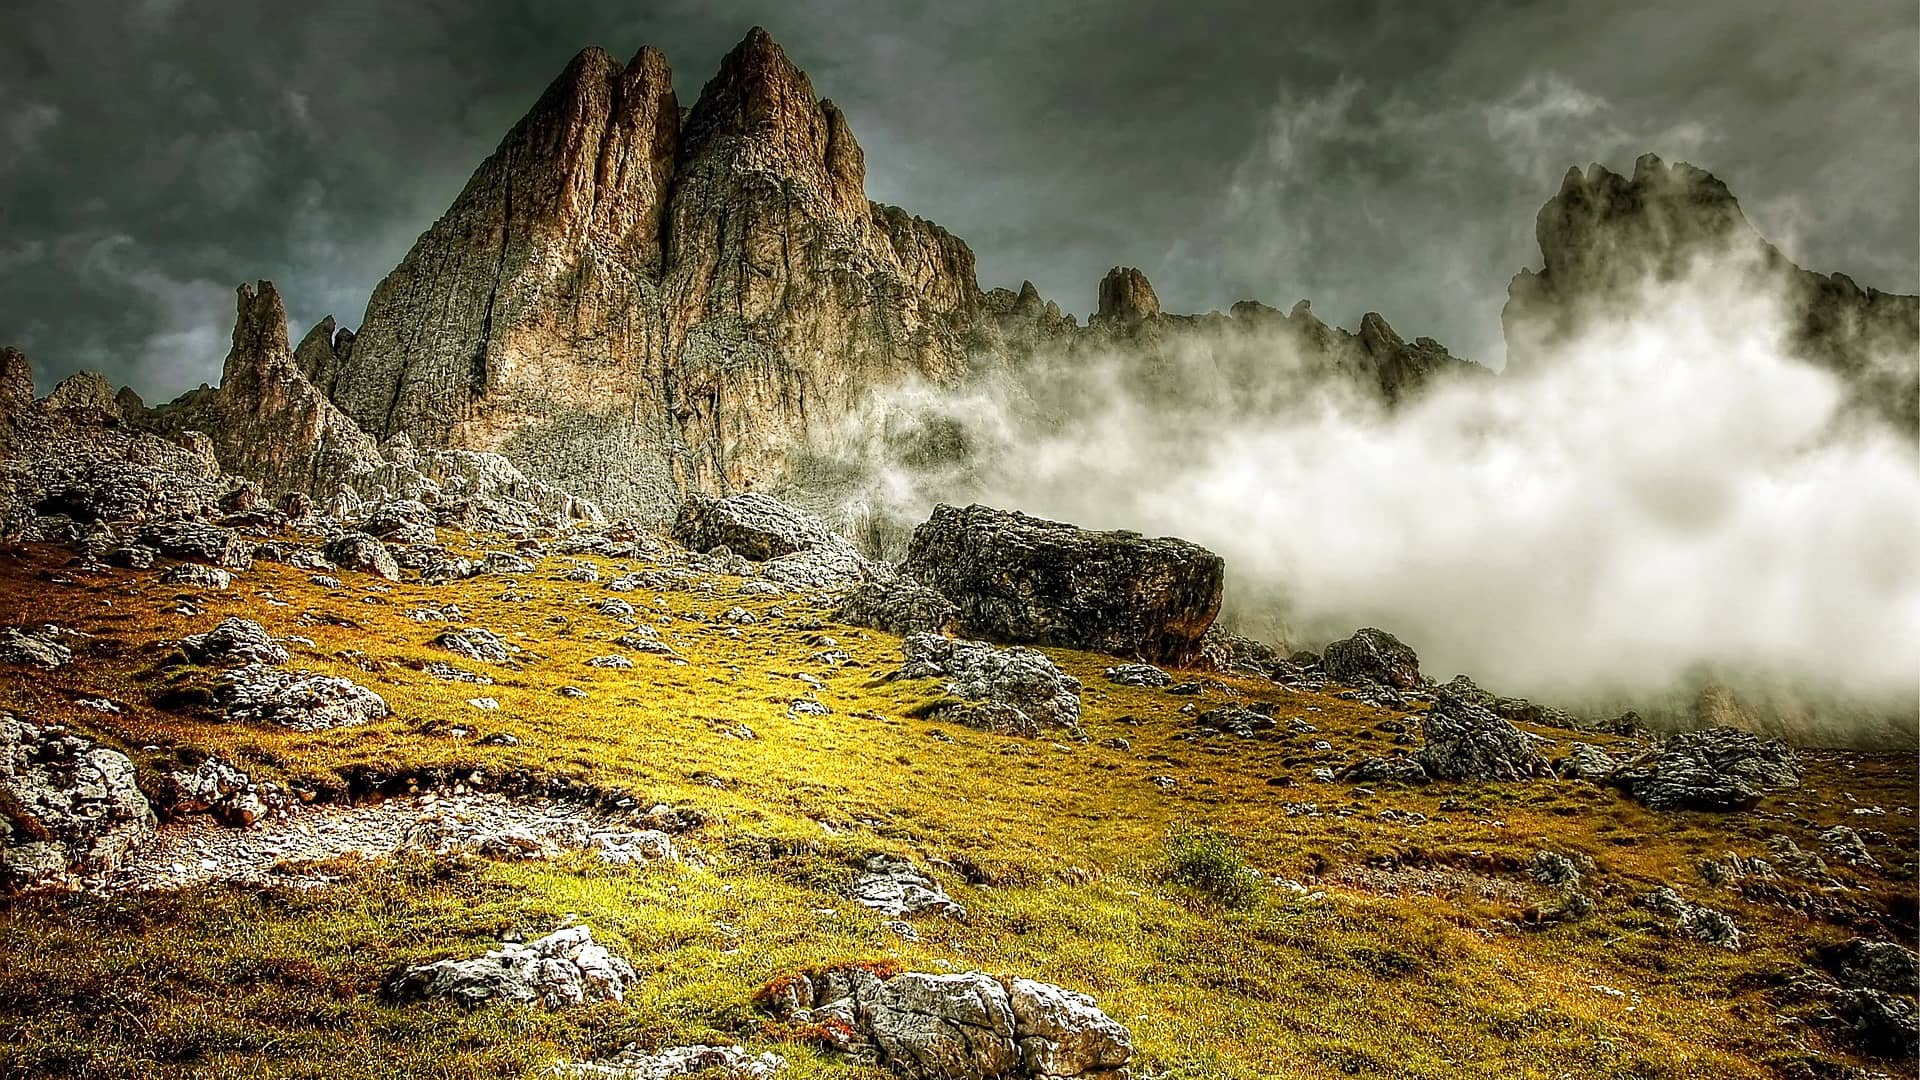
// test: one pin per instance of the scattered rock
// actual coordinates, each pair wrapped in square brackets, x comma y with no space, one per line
[1023,579]
[563,969]
[1397,768]
[219,788]
[179,538]
[729,1062]
[753,525]
[476,643]
[402,521]
[1138,675]
[966,1025]
[195,575]
[1585,761]
[1702,923]
[33,648]
[898,605]
[233,642]
[1714,769]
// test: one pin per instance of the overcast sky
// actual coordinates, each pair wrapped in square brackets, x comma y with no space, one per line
[1368,156]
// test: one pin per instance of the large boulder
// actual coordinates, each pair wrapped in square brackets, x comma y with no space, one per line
[1713,769]
[958,1026]
[565,968]
[752,525]
[1022,579]
[1372,656]
[402,521]
[1015,689]
[1466,742]
[69,808]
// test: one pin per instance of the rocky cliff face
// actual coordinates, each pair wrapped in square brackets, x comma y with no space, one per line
[1604,236]
[268,422]
[634,301]
[634,305]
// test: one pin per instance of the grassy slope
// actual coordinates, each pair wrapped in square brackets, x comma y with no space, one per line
[1386,980]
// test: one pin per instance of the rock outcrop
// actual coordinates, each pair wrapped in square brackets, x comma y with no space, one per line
[563,969]
[69,808]
[267,421]
[1714,769]
[1013,690]
[964,1025]
[1604,236]
[1372,656]
[1028,580]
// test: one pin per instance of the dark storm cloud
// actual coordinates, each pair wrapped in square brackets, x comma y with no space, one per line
[1369,156]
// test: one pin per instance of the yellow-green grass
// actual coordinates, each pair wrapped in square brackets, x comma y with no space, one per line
[1397,972]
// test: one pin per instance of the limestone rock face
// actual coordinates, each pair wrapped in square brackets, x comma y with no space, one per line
[1023,579]
[268,422]
[71,807]
[1603,235]
[634,309]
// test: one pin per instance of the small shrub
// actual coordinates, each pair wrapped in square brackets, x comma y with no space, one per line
[1212,865]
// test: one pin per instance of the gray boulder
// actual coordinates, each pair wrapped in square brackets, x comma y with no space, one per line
[476,643]
[233,642]
[402,521]
[753,526]
[1713,769]
[180,538]
[1028,580]
[358,551]
[565,968]
[1466,742]
[1014,689]
[898,889]
[69,808]
[898,605]
[1138,675]
[196,576]
[1372,656]
[220,789]
[965,1025]
[299,700]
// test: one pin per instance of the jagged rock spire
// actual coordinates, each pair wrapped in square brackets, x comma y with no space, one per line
[1127,296]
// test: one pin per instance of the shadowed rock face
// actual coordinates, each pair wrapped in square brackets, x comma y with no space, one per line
[1604,235]
[1021,579]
